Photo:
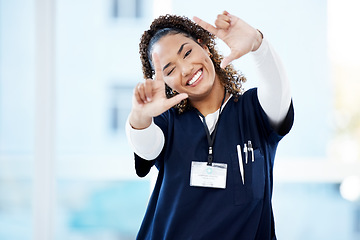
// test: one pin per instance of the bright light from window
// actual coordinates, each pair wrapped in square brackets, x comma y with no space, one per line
[344,52]
[343,34]
[350,188]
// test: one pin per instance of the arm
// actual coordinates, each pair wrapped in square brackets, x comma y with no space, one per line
[149,100]
[274,89]
[146,143]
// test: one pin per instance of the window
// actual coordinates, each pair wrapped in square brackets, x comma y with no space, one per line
[127,8]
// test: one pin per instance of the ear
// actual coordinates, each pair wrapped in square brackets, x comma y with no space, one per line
[203,45]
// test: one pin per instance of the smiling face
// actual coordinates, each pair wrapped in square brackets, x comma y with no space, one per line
[186,65]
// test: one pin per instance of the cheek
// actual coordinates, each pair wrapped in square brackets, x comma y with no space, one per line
[210,65]
[171,82]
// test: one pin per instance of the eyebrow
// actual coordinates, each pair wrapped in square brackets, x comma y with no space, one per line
[179,51]
[181,48]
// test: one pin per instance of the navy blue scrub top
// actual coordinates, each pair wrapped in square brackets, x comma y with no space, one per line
[177,210]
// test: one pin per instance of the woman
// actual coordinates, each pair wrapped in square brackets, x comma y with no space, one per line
[214,146]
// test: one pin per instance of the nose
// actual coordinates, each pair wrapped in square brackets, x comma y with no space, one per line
[186,69]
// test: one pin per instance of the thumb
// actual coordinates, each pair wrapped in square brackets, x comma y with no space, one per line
[175,99]
[231,57]
[227,60]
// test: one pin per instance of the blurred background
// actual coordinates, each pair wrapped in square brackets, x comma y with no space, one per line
[67,69]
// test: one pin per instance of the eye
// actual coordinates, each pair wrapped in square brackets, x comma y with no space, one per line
[187,53]
[170,72]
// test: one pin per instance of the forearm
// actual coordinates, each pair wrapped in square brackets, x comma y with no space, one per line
[146,143]
[274,89]
[138,121]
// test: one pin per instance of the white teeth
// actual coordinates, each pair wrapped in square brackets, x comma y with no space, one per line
[195,78]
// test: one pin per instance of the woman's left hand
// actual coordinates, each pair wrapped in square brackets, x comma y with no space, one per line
[237,34]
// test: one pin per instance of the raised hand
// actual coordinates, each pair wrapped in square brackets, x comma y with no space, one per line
[149,99]
[240,37]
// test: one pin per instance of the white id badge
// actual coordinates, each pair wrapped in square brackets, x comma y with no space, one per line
[203,175]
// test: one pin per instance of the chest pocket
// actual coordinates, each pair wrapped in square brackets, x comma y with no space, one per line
[254,178]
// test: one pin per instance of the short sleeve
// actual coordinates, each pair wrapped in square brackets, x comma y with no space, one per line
[255,120]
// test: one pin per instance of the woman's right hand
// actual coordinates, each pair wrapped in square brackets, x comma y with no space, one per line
[149,99]
[240,37]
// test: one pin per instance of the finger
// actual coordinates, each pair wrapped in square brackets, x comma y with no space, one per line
[148,89]
[175,100]
[141,92]
[224,17]
[137,95]
[231,57]
[222,24]
[158,70]
[223,21]
[206,25]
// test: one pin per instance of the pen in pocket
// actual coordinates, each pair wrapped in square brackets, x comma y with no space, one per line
[250,148]
[241,165]
[246,153]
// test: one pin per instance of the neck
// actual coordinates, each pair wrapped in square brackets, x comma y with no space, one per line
[212,102]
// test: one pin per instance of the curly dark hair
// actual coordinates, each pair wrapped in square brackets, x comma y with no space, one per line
[172,24]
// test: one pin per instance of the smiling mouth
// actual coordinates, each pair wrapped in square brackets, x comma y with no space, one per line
[195,78]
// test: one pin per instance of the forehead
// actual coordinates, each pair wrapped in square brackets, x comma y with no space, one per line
[170,44]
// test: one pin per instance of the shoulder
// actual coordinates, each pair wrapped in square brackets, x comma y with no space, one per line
[249,113]
[248,99]
[167,119]
[250,93]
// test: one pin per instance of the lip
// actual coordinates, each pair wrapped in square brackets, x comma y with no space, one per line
[197,81]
